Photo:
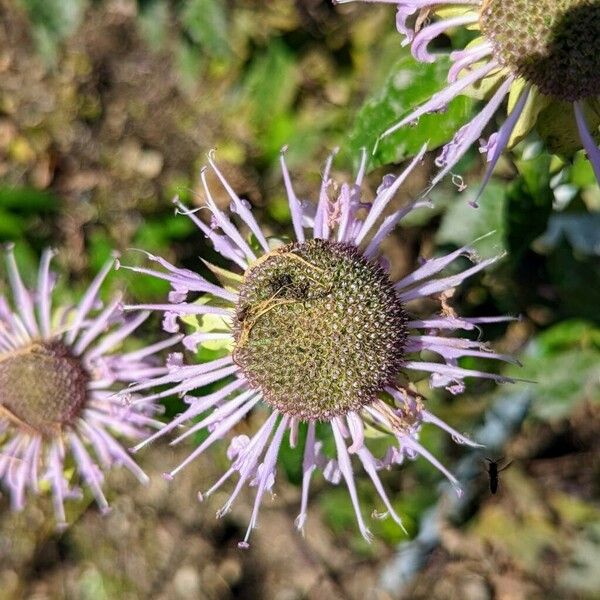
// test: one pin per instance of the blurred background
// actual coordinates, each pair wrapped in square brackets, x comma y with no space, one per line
[107,110]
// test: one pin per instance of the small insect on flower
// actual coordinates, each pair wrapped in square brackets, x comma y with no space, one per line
[494,468]
[318,338]
[60,371]
[543,56]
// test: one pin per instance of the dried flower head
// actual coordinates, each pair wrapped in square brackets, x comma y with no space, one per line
[318,333]
[543,55]
[59,371]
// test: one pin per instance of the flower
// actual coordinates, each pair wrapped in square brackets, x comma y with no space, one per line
[319,337]
[543,55]
[58,376]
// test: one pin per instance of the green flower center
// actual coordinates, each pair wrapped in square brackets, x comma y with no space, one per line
[42,387]
[554,44]
[318,329]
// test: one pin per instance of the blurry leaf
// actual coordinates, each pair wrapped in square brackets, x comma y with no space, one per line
[53,20]
[11,226]
[583,574]
[410,84]
[462,224]
[576,278]
[567,335]
[581,230]
[189,63]
[271,84]
[582,172]
[564,362]
[291,458]
[205,22]
[557,127]
[28,200]
[156,236]
[524,537]
[153,20]
[572,245]
[157,233]
[573,510]
[536,173]
[528,205]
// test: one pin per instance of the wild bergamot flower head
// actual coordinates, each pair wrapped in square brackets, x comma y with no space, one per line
[320,338]
[60,370]
[543,55]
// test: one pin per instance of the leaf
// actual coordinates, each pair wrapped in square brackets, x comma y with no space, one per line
[572,245]
[28,200]
[564,362]
[528,206]
[557,127]
[53,21]
[271,84]
[582,574]
[462,224]
[291,458]
[409,85]
[576,282]
[205,22]
[581,230]
[11,226]
[227,279]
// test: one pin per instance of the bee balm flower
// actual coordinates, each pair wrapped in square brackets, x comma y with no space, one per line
[59,371]
[319,334]
[543,55]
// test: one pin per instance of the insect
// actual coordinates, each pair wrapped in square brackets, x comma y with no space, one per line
[282,285]
[493,469]
[422,18]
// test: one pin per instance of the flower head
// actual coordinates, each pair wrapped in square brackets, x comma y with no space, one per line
[58,376]
[318,333]
[543,55]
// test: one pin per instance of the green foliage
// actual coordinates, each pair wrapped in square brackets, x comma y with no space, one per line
[53,21]
[205,22]
[462,224]
[564,363]
[409,84]
[22,214]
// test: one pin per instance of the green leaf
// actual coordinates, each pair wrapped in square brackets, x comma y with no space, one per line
[581,230]
[153,20]
[11,226]
[28,200]
[564,361]
[291,458]
[582,172]
[205,22]
[557,127]
[576,281]
[271,84]
[409,85]
[462,224]
[528,206]
[53,21]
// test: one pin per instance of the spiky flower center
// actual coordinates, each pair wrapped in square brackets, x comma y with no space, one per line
[553,44]
[43,387]
[318,329]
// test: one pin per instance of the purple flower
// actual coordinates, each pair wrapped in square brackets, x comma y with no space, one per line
[60,370]
[543,55]
[319,339]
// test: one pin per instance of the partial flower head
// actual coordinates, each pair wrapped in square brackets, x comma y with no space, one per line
[541,55]
[321,340]
[60,370]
